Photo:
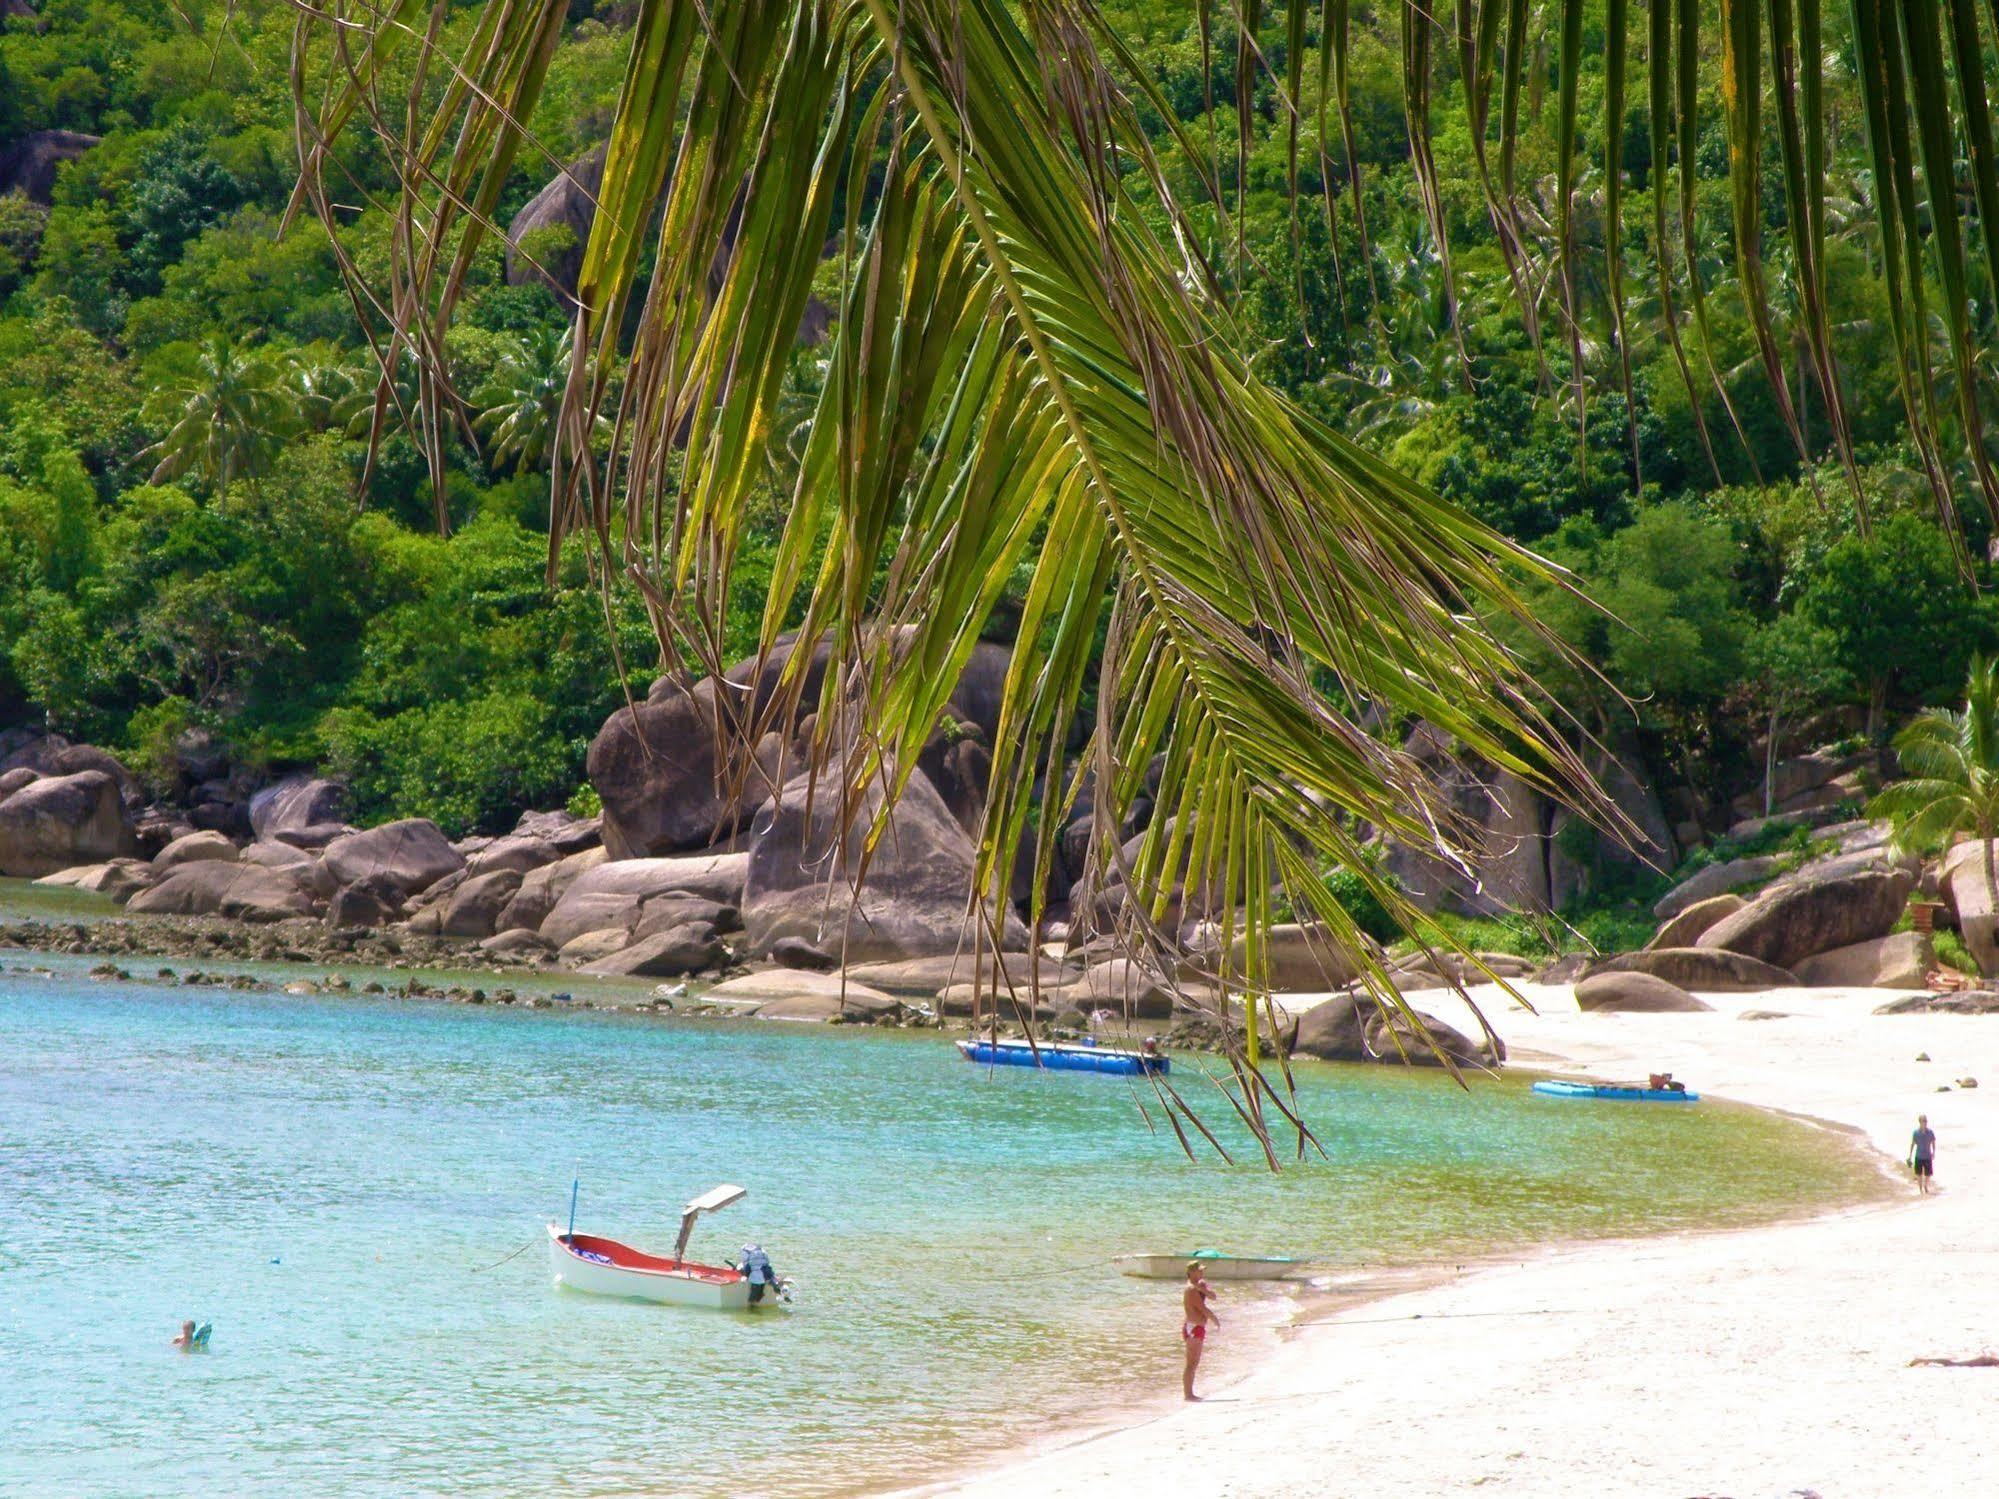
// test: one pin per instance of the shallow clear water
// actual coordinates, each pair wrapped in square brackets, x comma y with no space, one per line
[323,1179]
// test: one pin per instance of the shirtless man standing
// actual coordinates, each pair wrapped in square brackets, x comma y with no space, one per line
[1196,1317]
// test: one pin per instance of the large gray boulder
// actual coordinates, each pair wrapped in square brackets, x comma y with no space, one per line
[1968,898]
[542,888]
[1900,960]
[57,822]
[1299,959]
[670,773]
[919,978]
[1701,968]
[295,803]
[1716,879]
[366,903]
[517,852]
[692,948]
[805,857]
[413,853]
[1787,925]
[1634,993]
[568,833]
[1681,930]
[243,892]
[613,894]
[192,848]
[475,906]
[1357,1028]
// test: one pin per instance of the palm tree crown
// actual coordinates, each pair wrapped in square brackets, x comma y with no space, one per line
[1952,764]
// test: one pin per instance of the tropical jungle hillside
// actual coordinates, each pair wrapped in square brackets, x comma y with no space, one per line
[223,552]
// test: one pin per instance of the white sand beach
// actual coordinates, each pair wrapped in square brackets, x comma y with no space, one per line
[1768,1362]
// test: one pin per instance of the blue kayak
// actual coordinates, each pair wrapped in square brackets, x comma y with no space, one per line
[1556,1088]
[1063,1056]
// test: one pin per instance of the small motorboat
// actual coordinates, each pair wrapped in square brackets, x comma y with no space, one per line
[1064,1056]
[605,1267]
[1215,1265]
[1630,1093]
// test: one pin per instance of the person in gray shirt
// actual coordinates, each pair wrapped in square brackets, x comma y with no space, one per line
[1923,1153]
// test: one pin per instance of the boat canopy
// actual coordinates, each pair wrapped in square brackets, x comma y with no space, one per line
[711,1201]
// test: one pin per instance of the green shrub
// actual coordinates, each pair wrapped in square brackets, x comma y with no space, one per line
[585,802]
[466,764]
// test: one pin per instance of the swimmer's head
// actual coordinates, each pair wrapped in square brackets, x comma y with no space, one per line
[1194,1270]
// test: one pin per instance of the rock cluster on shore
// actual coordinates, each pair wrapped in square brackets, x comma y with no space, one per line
[707,867]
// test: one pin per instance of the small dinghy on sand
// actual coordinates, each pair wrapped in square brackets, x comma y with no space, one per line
[1065,1056]
[1560,1088]
[605,1267]
[1214,1264]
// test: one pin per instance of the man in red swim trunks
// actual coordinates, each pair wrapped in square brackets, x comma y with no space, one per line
[1196,1317]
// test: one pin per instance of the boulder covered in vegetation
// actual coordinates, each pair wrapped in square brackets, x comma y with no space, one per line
[413,853]
[57,821]
[1900,960]
[1634,993]
[805,858]
[546,239]
[28,164]
[1701,968]
[1682,929]
[668,776]
[1786,925]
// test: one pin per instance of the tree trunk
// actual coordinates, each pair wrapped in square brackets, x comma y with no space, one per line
[1877,707]
[1991,882]
[1770,762]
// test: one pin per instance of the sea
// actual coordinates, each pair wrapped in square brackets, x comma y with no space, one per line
[353,1192]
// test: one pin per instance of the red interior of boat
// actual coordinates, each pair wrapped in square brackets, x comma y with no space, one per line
[627,1258]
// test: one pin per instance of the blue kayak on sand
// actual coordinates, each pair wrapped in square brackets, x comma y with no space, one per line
[1064,1056]
[1557,1088]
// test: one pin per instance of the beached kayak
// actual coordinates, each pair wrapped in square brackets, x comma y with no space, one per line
[1214,1264]
[1558,1088]
[1063,1056]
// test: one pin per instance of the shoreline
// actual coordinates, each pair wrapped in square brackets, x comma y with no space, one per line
[1584,1368]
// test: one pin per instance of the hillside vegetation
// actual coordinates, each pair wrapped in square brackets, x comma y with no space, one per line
[200,544]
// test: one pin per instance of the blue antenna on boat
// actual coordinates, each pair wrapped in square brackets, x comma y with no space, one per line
[574,1184]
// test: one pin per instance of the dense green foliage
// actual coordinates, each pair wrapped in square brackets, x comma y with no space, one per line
[185,401]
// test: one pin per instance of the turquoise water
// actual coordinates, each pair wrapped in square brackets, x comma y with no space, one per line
[323,1178]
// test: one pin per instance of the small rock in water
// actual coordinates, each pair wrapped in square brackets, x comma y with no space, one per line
[301,986]
[1922,1056]
[1967,1082]
[1943,1087]
[373,986]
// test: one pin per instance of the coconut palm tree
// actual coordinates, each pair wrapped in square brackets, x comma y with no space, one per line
[521,404]
[1952,760]
[224,418]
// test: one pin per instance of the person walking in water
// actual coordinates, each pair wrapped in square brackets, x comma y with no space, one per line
[1196,1317]
[1923,1153]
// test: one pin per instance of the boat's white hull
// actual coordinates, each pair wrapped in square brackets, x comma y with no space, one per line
[1228,1267]
[669,1287]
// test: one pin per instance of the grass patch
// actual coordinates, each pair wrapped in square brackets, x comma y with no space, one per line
[1607,929]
